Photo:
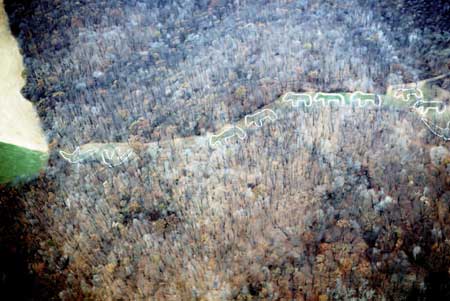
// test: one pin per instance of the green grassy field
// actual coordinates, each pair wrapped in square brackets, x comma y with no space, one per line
[18,164]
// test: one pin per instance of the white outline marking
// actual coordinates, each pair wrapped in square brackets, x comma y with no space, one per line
[268,114]
[106,155]
[361,94]
[406,96]
[233,131]
[435,129]
[435,106]
[321,97]
[77,153]
[114,154]
[296,102]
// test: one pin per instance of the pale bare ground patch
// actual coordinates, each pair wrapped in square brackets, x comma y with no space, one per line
[19,122]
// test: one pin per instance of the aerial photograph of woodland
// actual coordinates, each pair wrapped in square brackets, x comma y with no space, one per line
[225,150]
